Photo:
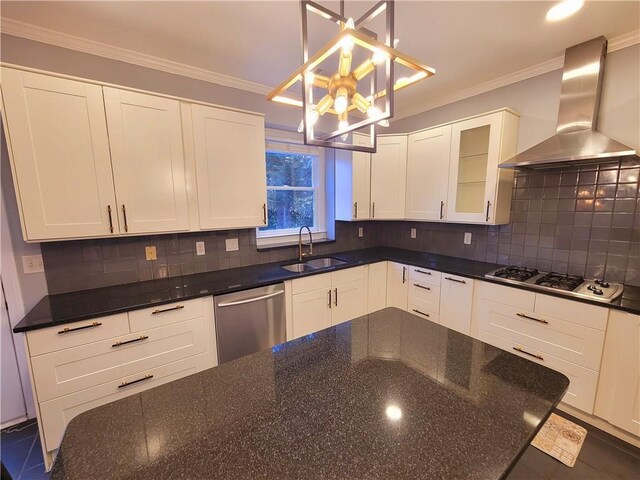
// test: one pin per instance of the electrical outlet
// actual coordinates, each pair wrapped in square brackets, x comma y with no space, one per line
[32,264]
[199,248]
[360,232]
[467,238]
[414,234]
[150,253]
[231,244]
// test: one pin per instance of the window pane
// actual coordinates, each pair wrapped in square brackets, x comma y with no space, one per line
[289,169]
[289,209]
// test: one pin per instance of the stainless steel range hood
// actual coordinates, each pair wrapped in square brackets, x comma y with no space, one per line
[576,140]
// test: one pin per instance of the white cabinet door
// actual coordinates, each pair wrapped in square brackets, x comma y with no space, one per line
[311,312]
[388,178]
[397,285]
[618,394]
[428,173]
[377,287]
[353,183]
[349,301]
[60,155]
[231,168]
[456,297]
[145,135]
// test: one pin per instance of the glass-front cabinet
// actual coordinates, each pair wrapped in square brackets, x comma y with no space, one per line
[478,145]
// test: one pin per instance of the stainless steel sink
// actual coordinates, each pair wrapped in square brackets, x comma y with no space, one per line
[325,262]
[298,267]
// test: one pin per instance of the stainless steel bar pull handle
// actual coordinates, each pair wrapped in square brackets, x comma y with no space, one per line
[329,298]
[373,210]
[124,215]
[110,218]
[264,213]
[421,313]
[355,209]
[404,274]
[420,286]
[139,339]
[126,384]
[532,318]
[441,210]
[421,271]
[68,330]
[336,299]
[454,280]
[518,349]
[157,310]
[488,205]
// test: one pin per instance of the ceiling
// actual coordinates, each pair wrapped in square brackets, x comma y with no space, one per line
[467,42]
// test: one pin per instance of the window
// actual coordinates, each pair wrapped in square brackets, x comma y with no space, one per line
[295,192]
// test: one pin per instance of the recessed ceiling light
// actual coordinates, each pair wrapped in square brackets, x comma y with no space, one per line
[563,10]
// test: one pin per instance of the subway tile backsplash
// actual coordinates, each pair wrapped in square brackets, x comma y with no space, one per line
[577,220]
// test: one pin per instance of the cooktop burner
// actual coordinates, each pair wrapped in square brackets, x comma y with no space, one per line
[571,285]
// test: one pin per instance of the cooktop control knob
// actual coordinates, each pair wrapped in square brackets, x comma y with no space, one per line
[602,283]
[591,287]
[597,291]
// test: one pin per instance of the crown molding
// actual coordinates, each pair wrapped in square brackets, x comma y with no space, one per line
[44,35]
[617,43]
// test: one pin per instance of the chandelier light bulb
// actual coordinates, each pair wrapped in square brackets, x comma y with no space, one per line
[379,56]
[341,103]
[309,77]
[341,126]
[375,112]
[301,126]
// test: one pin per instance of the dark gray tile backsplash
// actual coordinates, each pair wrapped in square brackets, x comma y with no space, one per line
[583,221]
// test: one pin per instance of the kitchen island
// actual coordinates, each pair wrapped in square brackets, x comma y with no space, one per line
[387,395]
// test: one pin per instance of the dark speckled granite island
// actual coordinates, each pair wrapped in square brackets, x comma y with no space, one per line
[388,395]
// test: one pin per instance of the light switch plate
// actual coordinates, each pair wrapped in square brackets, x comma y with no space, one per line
[32,264]
[467,238]
[231,244]
[150,253]
[199,248]
[360,232]
[414,234]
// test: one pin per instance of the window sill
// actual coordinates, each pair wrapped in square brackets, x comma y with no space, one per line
[284,241]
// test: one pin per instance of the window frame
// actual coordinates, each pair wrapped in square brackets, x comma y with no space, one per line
[287,142]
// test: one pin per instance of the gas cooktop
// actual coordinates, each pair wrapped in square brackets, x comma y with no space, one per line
[570,285]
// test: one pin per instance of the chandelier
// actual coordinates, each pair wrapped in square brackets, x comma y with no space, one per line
[359,97]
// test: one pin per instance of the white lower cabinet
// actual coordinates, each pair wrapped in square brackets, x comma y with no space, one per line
[562,334]
[377,289]
[87,364]
[618,395]
[320,301]
[456,303]
[397,285]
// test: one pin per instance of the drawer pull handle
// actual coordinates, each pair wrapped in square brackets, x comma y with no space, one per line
[139,339]
[67,330]
[532,318]
[518,349]
[126,384]
[404,274]
[421,313]
[157,310]
[454,280]
[421,271]
[420,286]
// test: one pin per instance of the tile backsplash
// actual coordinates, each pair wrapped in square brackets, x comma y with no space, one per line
[577,220]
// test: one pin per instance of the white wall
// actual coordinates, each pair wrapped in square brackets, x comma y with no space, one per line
[537,100]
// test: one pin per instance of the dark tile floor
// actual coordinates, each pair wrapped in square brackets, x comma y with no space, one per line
[602,457]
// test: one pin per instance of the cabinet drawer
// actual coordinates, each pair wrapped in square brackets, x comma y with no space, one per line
[347,275]
[424,296]
[420,312]
[165,314]
[56,414]
[424,275]
[77,333]
[583,381]
[308,284]
[572,311]
[511,296]
[68,371]
[568,341]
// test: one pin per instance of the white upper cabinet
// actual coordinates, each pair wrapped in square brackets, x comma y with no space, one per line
[353,183]
[230,168]
[480,192]
[388,178]
[147,154]
[59,149]
[427,173]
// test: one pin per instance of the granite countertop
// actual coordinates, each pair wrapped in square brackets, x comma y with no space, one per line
[70,307]
[386,395]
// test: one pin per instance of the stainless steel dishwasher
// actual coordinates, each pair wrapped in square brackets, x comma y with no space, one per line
[249,321]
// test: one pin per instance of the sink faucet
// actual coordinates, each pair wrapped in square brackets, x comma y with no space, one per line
[310,252]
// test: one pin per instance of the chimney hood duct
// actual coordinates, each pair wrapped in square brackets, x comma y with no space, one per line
[576,139]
